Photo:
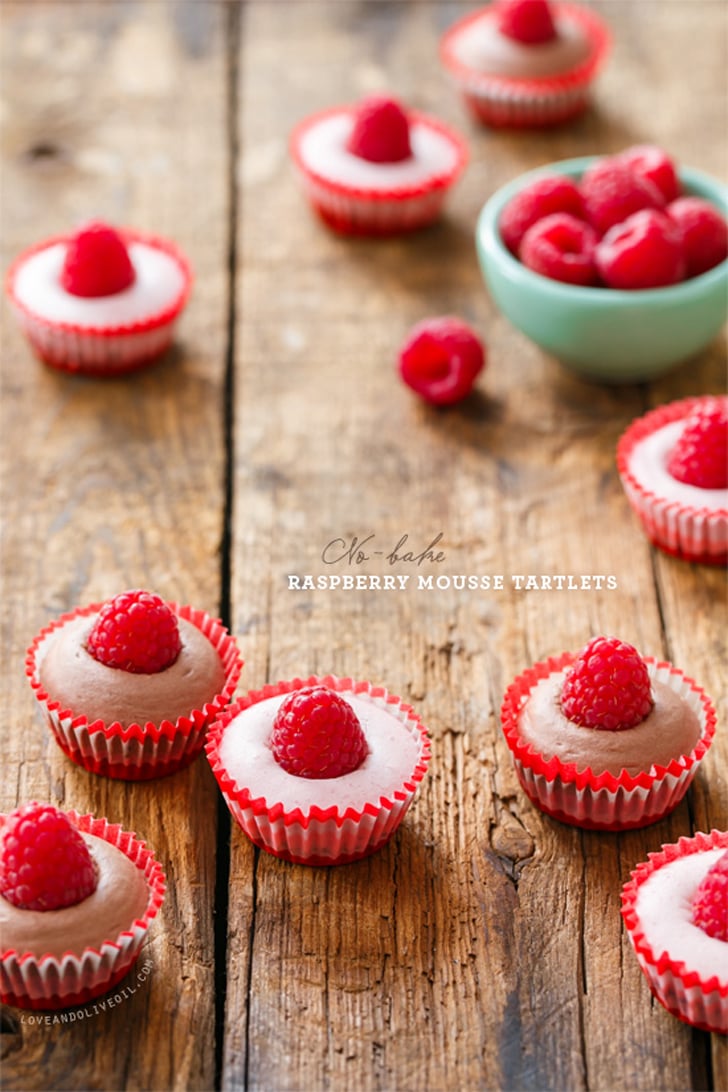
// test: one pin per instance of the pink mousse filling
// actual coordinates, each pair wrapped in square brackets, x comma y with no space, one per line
[482,47]
[664,908]
[394,750]
[70,675]
[121,896]
[672,729]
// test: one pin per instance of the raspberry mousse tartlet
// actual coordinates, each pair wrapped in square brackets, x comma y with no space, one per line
[526,62]
[319,771]
[101,301]
[129,686]
[376,168]
[675,908]
[77,896]
[606,739]
[673,463]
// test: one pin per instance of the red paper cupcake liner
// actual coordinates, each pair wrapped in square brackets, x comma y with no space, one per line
[690,532]
[46,982]
[503,101]
[603,801]
[681,991]
[137,752]
[319,836]
[101,351]
[353,210]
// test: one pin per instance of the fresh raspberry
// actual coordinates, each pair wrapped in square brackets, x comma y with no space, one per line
[317,734]
[561,247]
[135,631]
[44,862]
[710,903]
[700,456]
[612,191]
[528,21]
[97,262]
[704,233]
[441,359]
[541,198]
[607,686]
[645,251]
[653,163]
[381,131]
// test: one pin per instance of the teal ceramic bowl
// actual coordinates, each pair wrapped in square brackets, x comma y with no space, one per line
[603,333]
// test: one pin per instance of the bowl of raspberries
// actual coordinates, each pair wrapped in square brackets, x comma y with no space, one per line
[616,264]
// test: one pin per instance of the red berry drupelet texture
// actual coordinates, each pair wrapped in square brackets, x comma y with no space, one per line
[441,359]
[704,233]
[562,248]
[526,21]
[644,251]
[317,734]
[541,198]
[700,456]
[381,131]
[654,164]
[136,631]
[612,191]
[44,862]
[97,262]
[607,687]
[710,904]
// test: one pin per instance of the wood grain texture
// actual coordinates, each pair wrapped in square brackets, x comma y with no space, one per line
[483,948]
[118,111]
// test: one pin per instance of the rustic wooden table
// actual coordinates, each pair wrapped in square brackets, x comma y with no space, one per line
[483,948]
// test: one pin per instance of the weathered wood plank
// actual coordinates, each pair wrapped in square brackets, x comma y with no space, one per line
[483,948]
[117,111]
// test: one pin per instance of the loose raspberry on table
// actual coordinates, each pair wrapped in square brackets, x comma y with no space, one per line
[44,862]
[541,198]
[97,262]
[561,247]
[441,359]
[607,687]
[653,163]
[644,251]
[710,903]
[317,734]
[611,192]
[700,456]
[381,131]
[527,21]
[704,233]
[136,631]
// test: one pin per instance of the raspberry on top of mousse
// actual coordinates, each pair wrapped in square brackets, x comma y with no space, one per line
[710,903]
[97,262]
[529,22]
[381,131]
[136,631]
[317,734]
[607,687]
[700,455]
[44,862]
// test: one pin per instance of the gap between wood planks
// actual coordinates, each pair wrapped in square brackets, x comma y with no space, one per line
[233,35]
